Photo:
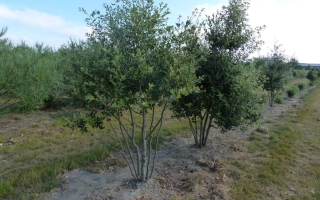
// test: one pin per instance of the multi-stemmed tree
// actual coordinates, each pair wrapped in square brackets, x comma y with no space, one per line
[229,95]
[131,66]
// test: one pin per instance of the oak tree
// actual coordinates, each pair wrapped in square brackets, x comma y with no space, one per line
[130,68]
[229,95]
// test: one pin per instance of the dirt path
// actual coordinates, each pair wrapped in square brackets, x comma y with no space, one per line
[182,171]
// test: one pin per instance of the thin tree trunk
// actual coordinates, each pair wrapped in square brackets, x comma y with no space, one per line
[208,129]
[143,149]
[272,99]
[204,129]
[149,154]
[200,131]
[157,139]
[135,146]
[203,126]
[193,131]
[196,128]
[123,151]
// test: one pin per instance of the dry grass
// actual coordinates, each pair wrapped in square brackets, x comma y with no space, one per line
[205,185]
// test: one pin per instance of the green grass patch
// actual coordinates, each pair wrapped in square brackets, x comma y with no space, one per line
[291,158]
[41,178]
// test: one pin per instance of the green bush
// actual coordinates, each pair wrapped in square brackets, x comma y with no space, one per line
[312,75]
[292,91]
[301,86]
[278,99]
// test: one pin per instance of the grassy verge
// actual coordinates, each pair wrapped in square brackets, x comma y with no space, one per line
[286,163]
[36,149]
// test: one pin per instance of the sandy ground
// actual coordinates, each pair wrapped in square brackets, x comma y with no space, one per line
[180,165]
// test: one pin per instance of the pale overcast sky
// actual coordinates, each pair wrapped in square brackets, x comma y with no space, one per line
[293,23]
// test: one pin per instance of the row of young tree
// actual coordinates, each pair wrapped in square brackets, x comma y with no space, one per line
[27,74]
[133,66]
[134,62]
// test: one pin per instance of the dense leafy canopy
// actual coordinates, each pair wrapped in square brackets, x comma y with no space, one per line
[229,95]
[27,74]
[131,62]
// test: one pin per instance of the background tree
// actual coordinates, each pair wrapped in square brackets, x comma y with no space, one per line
[130,68]
[229,95]
[313,75]
[259,62]
[294,63]
[276,72]
[27,74]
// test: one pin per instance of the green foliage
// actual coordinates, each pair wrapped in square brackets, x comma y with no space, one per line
[229,95]
[279,99]
[312,75]
[276,72]
[259,62]
[138,64]
[294,73]
[299,73]
[301,86]
[294,64]
[292,91]
[27,74]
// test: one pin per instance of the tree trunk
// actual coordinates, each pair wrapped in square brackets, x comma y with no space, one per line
[143,150]
[200,129]
[142,164]
[271,100]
